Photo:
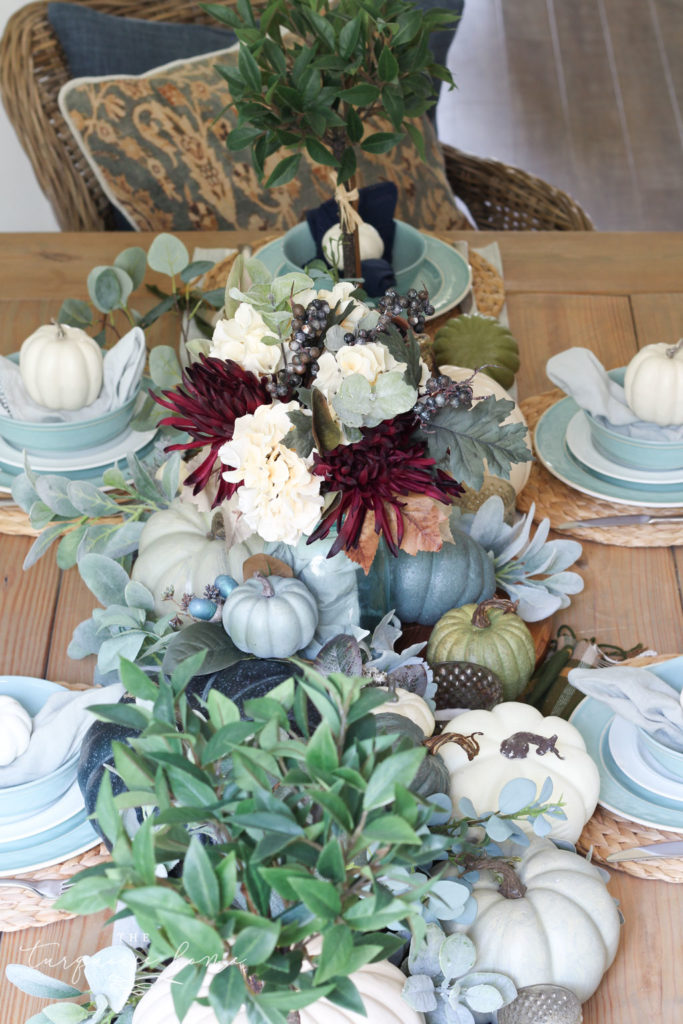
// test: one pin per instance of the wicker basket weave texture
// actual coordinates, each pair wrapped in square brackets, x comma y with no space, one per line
[33,68]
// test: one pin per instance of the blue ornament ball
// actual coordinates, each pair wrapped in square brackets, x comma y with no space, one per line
[201,608]
[225,584]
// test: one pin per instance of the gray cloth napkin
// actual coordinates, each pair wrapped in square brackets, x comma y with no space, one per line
[637,695]
[582,376]
[121,375]
[58,731]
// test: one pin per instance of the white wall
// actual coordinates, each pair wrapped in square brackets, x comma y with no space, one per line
[23,207]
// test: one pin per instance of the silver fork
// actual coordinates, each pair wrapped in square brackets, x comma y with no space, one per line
[50,888]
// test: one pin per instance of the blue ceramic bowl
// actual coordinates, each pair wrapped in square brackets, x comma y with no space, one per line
[298,249]
[669,758]
[39,438]
[27,798]
[630,451]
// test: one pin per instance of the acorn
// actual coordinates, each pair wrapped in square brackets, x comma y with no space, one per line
[462,684]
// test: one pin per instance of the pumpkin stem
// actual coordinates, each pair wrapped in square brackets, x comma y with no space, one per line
[268,590]
[468,743]
[671,351]
[480,618]
[61,333]
[511,885]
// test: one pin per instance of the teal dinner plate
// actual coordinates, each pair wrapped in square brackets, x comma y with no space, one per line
[33,853]
[617,792]
[552,450]
[445,274]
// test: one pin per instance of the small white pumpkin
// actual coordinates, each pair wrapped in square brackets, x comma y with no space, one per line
[61,367]
[411,706]
[369,241]
[181,548]
[16,726]
[654,384]
[484,386]
[514,740]
[563,929]
[380,986]
[270,616]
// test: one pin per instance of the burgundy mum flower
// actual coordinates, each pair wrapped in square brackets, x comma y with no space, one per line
[214,393]
[371,475]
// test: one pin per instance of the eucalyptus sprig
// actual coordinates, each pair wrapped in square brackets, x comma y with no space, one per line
[111,290]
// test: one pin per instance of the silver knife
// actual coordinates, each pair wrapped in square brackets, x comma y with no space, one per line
[634,520]
[648,852]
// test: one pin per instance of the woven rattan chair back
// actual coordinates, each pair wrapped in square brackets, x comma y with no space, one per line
[33,68]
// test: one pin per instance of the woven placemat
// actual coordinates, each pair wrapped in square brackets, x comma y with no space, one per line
[607,833]
[21,908]
[560,503]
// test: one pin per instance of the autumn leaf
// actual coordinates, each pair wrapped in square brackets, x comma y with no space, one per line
[266,565]
[422,519]
[368,542]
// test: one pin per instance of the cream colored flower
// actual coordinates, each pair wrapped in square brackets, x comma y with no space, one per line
[241,339]
[339,295]
[279,498]
[368,360]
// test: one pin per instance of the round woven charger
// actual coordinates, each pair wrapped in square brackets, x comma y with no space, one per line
[21,908]
[608,833]
[560,503]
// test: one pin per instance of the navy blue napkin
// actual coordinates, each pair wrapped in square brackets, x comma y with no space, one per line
[376,206]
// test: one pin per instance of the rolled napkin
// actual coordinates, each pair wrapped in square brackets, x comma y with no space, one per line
[582,376]
[637,695]
[58,731]
[376,206]
[121,374]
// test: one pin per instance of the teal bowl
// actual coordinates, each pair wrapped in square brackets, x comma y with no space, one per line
[298,248]
[668,757]
[28,798]
[630,451]
[39,438]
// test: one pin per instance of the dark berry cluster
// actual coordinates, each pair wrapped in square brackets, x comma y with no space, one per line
[414,307]
[442,391]
[307,342]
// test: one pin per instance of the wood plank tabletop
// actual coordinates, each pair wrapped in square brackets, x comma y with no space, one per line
[612,293]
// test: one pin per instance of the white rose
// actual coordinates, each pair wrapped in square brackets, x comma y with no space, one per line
[241,339]
[368,360]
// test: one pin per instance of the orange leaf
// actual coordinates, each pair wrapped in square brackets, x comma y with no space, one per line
[367,544]
[422,523]
[266,565]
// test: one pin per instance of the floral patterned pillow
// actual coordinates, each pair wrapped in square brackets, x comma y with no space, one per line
[157,145]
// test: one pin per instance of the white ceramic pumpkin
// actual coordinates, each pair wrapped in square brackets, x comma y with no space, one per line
[270,616]
[61,367]
[369,241]
[484,386]
[411,706]
[181,547]
[380,986]
[16,726]
[516,741]
[654,384]
[563,930]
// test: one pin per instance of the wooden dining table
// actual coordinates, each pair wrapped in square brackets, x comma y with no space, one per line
[611,293]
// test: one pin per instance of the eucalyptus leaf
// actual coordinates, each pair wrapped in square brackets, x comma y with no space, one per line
[35,983]
[418,992]
[105,578]
[164,367]
[75,313]
[109,288]
[167,255]
[134,262]
[66,1013]
[457,955]
[111,973]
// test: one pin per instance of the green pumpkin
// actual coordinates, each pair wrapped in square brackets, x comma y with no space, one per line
[425,585]
[270,616]
[432,775]
[488,634]
[475,341]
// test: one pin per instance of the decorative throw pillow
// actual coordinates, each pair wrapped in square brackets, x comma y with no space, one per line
[96,43]
[157,145]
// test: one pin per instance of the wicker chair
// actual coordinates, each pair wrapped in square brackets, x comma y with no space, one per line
[33,68]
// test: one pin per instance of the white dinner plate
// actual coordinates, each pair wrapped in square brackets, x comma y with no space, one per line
[581,446]
[74,462]
[35,854]
[633,759]
[69,804]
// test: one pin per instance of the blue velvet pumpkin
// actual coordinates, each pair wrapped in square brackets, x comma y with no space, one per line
[426,585]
